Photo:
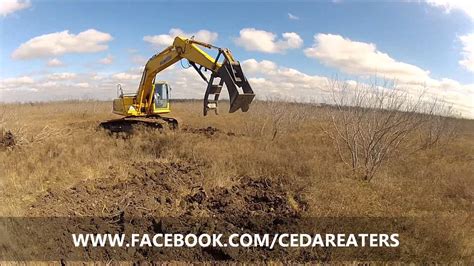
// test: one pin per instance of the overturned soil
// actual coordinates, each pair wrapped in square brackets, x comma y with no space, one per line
[7,139]
[207,131]
[173,190]
[168,190]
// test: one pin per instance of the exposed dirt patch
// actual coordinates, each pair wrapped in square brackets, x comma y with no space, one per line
[7,139]
[155,189]
[207,131]
[167,190]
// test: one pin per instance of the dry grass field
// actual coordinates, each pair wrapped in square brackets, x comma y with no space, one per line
[62,164]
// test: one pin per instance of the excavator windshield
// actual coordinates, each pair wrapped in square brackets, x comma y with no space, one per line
[161,95]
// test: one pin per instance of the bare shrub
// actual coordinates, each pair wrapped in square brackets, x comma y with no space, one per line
[440,128]
[48,132]
[276,117]
[369,123]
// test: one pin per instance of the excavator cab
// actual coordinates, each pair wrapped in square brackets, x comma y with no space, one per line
[161,97]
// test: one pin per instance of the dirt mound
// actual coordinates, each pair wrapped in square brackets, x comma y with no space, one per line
[173,191]
[7,139]
[166,190]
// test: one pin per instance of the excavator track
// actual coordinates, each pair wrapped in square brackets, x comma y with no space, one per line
[128,125]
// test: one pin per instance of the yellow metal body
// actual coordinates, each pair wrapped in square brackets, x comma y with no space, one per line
[126,104]
[142,103]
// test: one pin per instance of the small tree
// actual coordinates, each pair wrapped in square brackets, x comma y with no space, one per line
[368,123]
[440,128]
[276,117]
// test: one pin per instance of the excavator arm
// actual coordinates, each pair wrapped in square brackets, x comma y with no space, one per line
[228,72]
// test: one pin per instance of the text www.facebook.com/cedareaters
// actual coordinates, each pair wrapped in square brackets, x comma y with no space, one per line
[284,240]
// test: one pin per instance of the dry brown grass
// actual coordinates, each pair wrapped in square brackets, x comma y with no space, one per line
[58,145]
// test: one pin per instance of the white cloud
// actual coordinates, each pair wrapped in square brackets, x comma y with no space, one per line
[59,43]
[362,58]
[163,40]
[82,85]
[263,41]
[466,6]
[126,76]
[16,82]
[49,84]
[61,86]
[270,80]
[467,51]
[11,6]
[252,66]
[293,17]
[61,76]
[109,59]
[54,62]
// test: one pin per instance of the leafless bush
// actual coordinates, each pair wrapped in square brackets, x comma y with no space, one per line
[440,128]
[369,123]
[48,132]
[277,117]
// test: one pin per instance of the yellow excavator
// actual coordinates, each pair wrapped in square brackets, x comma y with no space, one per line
[152,98]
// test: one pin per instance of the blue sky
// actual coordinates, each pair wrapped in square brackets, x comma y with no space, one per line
[427,36]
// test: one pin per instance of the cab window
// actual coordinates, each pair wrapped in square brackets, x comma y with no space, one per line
[161,95]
